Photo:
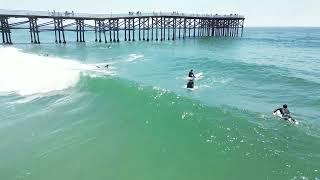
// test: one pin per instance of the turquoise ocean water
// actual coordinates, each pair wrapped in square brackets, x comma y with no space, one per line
[64,116]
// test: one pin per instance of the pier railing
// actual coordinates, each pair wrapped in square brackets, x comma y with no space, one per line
[132,25]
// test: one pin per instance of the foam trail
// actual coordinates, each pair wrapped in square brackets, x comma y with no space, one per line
[28,74]
[134,57]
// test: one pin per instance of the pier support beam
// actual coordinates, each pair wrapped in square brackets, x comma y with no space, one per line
[59,29]
[164,28]
[114,28]
[104,31]
[118,27]
[5,30]
[95,30]
[125,29]
[174,26]
[128,28]
[80,30]
[148,27]
[133,30]
[168,25]
[194,27]
[34,30]
[111,28]
[242,22]
[99,29]
[157,27]
[161,27]
[144,29]
[152,27]
[189,27]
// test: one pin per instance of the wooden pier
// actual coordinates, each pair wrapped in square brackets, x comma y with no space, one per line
[109,28]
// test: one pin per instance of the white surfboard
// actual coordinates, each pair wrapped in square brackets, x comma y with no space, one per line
[198,76]
[278,114]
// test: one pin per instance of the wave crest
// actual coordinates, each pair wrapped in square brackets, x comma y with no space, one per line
[27,74]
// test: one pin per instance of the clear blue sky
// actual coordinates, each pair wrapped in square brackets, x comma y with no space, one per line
[257,12]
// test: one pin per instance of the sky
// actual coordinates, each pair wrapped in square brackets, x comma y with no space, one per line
[256,12]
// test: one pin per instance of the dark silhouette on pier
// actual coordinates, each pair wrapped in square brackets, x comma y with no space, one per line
[134,26]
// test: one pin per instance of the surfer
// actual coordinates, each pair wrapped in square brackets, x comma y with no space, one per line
[284,112]
[106,66]
[191,75]
[190,84]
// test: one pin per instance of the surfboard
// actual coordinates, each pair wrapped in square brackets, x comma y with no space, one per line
[279,115]
[198,76]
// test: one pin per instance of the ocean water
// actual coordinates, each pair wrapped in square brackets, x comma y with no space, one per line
[64,116]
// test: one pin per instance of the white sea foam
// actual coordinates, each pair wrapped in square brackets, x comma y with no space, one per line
[29,74]
[134,57]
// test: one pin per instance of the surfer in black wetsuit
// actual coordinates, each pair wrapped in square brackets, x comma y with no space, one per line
[190,84]
[191,75]
[284,112]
